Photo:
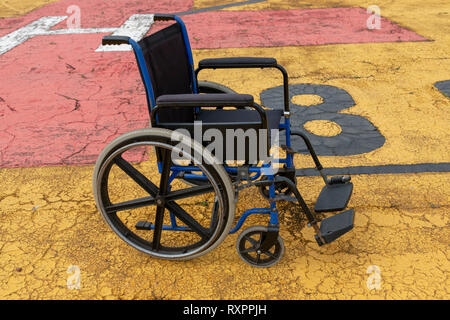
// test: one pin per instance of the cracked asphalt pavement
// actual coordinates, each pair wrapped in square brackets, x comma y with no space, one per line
[61,103]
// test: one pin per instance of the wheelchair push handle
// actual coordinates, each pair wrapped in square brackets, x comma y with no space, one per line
[163,17]
[115,40]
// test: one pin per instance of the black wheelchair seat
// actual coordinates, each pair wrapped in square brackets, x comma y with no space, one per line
[185,111]
[243,117]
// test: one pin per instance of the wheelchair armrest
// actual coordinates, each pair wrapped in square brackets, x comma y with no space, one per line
[205,100]
[246,62]
[238,62]
[208,100]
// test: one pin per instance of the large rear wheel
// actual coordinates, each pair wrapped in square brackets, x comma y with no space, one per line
[137,195]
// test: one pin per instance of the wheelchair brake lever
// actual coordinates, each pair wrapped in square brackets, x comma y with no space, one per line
[243,173]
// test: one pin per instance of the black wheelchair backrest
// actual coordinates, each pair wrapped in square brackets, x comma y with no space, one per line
[168,65]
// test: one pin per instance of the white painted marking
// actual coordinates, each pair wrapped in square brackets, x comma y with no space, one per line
[135,27]
[79,31]
[21,35]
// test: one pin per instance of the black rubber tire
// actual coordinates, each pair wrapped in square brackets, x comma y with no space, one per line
[162,138]
[213,87]
[273,257]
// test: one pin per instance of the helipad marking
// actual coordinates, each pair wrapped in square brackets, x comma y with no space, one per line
[335,25]
[37,27]
[135,27]
[444,87]
[107,91]
[358,135]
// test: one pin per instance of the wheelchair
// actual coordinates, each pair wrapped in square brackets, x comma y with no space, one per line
[174,197]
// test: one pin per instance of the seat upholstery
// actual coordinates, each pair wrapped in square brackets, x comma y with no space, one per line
[240,115]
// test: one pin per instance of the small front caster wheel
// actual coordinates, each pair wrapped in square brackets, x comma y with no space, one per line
[248,246]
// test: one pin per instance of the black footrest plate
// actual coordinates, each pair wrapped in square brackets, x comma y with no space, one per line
[335,226]
[334,197]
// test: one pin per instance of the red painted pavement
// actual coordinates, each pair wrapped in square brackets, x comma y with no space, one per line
[61,102]
[231,29]
[97,13]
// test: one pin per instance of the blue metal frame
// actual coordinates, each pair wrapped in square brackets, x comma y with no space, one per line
[188,52]
[272,211]
[143,69]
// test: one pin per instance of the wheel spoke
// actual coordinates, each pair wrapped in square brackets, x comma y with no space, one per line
[181,214]
[251,249]
[131,204]
[170,204]
[189,192]
[270,254]
[138,177]
[158,228]
[163,188]
[214,215]
[251,240]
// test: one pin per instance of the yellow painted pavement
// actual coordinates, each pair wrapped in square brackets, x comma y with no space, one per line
[12,8]
[49,222]
[48,219]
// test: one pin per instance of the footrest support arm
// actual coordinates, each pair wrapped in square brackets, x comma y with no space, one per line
[309,215]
